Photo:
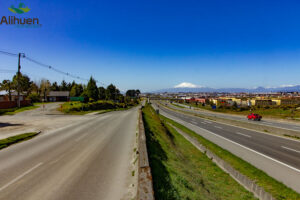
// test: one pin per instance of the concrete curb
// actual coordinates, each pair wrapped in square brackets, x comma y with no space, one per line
[247,183]
[145,186]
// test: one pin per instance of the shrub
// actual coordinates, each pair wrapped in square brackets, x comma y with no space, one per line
[34,97]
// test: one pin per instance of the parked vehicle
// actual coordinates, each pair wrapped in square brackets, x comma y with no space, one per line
[254,117]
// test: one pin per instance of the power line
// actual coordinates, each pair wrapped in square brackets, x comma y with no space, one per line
[49,67]
[59,71]
[8,53]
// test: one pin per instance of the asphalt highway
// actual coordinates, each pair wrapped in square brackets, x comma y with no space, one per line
[281,149]
[266,122]
[88,160]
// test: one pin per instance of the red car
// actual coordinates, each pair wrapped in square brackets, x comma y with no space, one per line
[255,117]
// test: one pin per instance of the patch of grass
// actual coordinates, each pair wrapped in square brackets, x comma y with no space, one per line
[277,189]
[12,111]
[132,173]
[79,108]
[180,170]
[16,139]
[292,136]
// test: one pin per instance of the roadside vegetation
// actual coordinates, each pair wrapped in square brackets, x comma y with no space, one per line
[275,188]
[12,111]
[282,112]
[101,105]
[83,98]
[181,171]
[16,139]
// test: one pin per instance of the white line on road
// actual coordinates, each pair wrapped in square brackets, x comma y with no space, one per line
[273,159]
[290,149]
[203,122]
[19,177]
[208,122]
[243,134]
[218,127]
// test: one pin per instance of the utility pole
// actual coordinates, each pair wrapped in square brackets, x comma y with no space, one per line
[18,78]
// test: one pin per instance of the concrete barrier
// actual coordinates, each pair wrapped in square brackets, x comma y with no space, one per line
[145,186]
[250,185]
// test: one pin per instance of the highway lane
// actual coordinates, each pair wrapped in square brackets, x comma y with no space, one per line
[88,160]
[266,122]
[284,150]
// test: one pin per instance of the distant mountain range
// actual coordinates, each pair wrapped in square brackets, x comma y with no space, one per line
[295,88]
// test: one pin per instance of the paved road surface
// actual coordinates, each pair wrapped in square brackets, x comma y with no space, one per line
[279,148]
[267,122]
[89,160]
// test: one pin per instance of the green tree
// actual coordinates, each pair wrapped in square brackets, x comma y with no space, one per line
[63,86]
[112,93]
[24,83]
[45,88]
[76,90]
[54,87]
[92,89]
[102,93]
[69,86]
[8,86]
[133,93]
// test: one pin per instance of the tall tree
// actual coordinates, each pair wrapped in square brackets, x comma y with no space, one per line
[54,87]
[24,83]
[76,90]
[45,88]
[102,94]
[7,85]
[133,93]
[63,86]
[92,89]
[112,93]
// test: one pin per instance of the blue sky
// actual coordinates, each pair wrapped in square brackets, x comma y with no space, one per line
[158,44]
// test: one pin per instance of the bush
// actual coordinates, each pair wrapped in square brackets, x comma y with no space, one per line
[34,97]
[97,105]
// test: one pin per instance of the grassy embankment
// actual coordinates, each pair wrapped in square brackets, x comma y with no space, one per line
[16,139]
[181,171]
[270,112]
[277,189]
[79,108]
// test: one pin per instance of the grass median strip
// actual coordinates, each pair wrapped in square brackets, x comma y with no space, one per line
[16,139]
[275,188]
[180,170]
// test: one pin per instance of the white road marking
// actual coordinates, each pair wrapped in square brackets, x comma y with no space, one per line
[203,122]
[290,149]
[272,135]
[80,137]
[19,177]
[273,159]
[243,134]
[218,127]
